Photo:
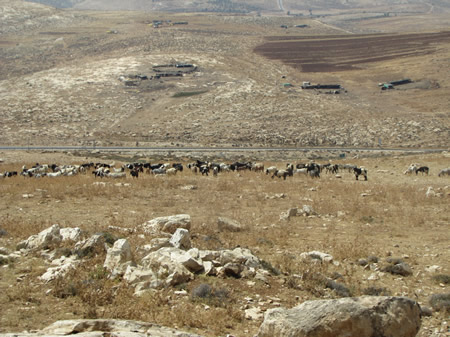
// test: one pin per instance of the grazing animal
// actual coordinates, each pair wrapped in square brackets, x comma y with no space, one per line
[360,171]
[313,170]
[118,175]
[444,172]
[160,170]
[301,171]
[237,166]
[314,173]
[134,173]
[258,167]
[178,166]
[284,173]
[332,168]
[271,169]
[280,173]
[423,169]
[204,170]
[171,171]
[349,167]
[215,170]
[411,169]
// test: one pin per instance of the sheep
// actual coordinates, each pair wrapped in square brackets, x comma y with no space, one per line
[171,171]
[411,169]
[118,175]
[303,171]
[444,172]
[271,169]
[257,167]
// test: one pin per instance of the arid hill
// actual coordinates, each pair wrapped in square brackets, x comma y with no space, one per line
[79,77]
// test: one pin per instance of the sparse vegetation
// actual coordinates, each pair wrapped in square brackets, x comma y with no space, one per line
[87,291]
[66,80]
[440,302]
[188,93]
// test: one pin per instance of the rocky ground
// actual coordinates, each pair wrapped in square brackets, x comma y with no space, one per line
[77,78]
[225,249]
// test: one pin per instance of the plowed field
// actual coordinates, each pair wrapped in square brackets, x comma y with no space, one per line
[337,53]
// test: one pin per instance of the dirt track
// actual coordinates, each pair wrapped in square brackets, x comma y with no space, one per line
[313,54]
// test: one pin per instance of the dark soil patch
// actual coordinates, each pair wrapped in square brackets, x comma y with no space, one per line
[338,53]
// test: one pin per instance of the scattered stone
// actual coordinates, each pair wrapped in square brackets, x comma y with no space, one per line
[432,269]
[107,327]
[189,187]
[72,234]
[430,192]
[402,269]
[365,316]
[316,255]
[362,262]
[426,312]
[63,266]
[4,251]
[225,224]
[43,240]
[181,239]
[168,224]
[285,216]
[119,257]
[90,246]
[307,210]
[253,314]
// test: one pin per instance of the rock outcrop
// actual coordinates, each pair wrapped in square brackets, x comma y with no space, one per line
[366,316]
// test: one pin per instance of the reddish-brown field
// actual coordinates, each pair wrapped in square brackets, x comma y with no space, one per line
[337,52]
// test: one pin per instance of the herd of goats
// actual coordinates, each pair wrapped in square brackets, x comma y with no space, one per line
[101,170]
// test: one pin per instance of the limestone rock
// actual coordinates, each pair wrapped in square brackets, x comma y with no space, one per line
[225,224]
[42,240]
[119,257]
[172,265]
[90,246]
[106,327]
[62,266]
[72,234]
[168,224]
[239,255]
[180,239]
[366,316]
[316,255]
[291,212]
[253,314]
[142,278]
[307,210]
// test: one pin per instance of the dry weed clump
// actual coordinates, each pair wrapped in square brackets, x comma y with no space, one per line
[440,302]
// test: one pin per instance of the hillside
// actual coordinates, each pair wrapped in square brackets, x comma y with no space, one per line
[70,78]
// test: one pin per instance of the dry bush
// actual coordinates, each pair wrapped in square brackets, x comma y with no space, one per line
[440,302]
[442,278]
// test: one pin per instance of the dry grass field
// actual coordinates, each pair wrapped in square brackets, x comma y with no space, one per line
[86,78]
[387,216]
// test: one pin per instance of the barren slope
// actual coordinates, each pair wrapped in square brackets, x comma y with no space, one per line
[69,85]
